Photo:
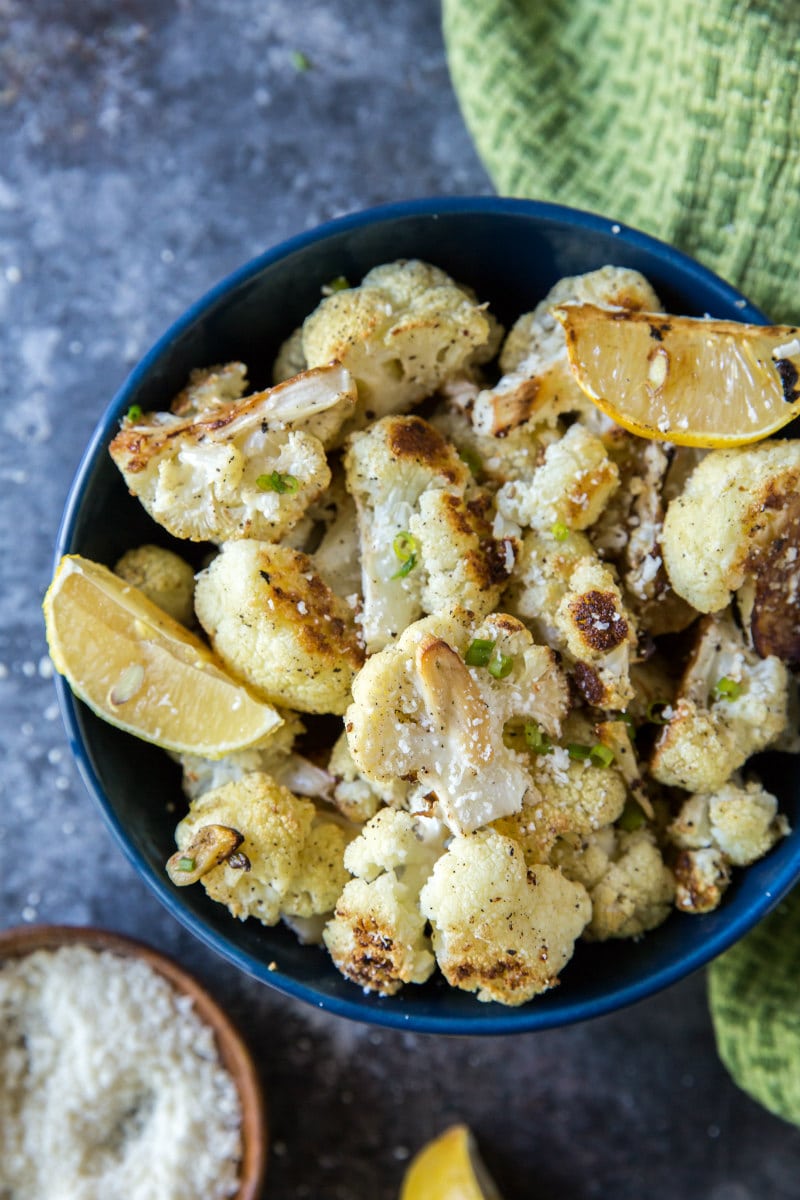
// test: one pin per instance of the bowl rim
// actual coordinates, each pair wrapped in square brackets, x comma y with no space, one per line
[19,941]
[495,1019]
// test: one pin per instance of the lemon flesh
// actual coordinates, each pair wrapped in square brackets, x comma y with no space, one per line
[140,670]
[695,382]
[449,1168]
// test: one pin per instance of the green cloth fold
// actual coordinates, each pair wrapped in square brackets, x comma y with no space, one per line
[682,119]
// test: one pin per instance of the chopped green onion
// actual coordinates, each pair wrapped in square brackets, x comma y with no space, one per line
[472,460]
[406,547]
[536,739]
[632,817]
[500,665]
[134,412]
[560,531]
[578,752]
[340,284]
[479,651]
[655,712]
[186,864]
[275,482]
[300,61]
[601,755]
[727,689]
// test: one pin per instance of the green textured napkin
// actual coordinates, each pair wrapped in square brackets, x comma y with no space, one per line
[683,119]
[678,117]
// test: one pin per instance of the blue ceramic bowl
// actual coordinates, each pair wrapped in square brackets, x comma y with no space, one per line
[511,252]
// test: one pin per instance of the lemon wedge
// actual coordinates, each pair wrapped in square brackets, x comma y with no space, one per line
[449,1168]
[140,670]
[692,381]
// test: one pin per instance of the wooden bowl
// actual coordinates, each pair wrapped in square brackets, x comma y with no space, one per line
[234,1055]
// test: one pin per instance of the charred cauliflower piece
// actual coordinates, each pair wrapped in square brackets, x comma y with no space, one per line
[540,578]
[276,624]
[401,333]
[209,388]
[377,936]
[389,467]
[598,635]
[732,827]
[420,713]
[499,928]
[250,468]
[730,704]
[635,892]
[737,523]
[629,531]
[290,861]
[537,383]
[569,489]
[163,576]
[462,563]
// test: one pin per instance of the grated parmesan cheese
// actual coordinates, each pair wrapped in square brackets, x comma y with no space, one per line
[112,1085]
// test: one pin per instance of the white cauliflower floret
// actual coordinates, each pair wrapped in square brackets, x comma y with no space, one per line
[201,775]
[737,522]
[401,333]
[209,388]
[420,713]
[730,704]
[540,580]
[290,860]
[537,383]
[277,625]
[388,468]
[494,460]
[337,553]
[597,634]
[499,928]
[701,879]
[355,796]
[635,892]
[250,468]
[570,488]
[628,532]
[461,562]
[163,576]
[586,859]
[377,936]
[741,820]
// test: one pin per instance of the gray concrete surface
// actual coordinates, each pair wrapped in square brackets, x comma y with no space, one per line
[148,148]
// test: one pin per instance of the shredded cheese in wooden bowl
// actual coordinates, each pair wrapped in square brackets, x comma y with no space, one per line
[122,1077]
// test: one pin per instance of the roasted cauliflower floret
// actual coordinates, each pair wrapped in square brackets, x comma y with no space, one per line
[460,561]
[163,576]
[337,553]
[701,879]
[635,892]
[572,798]
[740,819]
[290,860]
[628,532]
[209,388]
[276,624]
[737,522]
[730,704]
[388,468]
[598,635]
[356,797]
[401,333]
[420,713]
[540,580]
[250,468]
[570,488]
[537,383]
[377,936]
[501,929]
